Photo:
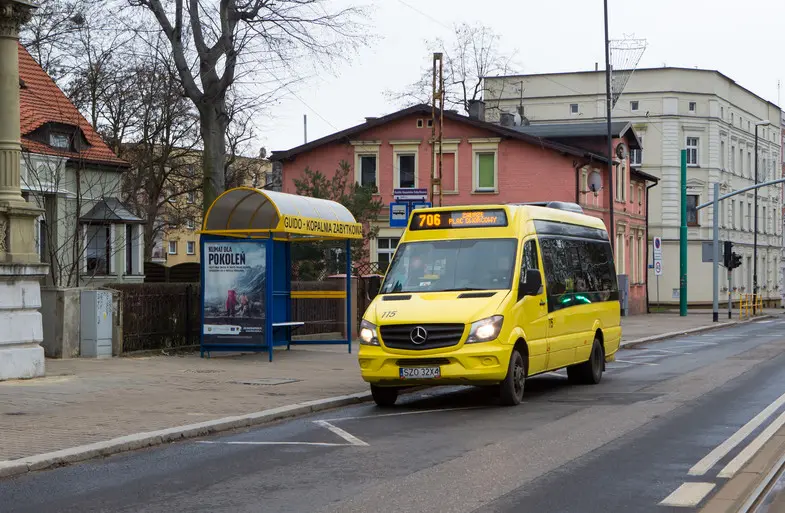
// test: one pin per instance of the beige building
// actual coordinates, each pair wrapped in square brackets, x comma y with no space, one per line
[179,241]
[714,119]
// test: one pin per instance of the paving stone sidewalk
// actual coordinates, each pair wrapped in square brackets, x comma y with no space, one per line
[82,401]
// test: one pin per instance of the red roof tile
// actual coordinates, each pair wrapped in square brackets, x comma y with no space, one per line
[41,102]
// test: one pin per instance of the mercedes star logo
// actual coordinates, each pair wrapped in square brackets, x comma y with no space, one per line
[418,335]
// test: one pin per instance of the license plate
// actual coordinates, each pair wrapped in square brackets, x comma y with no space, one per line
[420,372]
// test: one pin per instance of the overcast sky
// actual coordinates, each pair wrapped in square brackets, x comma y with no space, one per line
[743,40]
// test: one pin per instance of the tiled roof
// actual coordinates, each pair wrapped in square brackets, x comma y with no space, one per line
[42,102]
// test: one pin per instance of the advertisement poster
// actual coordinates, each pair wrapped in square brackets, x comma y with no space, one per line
[234,293]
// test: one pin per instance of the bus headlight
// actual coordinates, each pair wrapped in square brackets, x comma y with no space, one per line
[485,329]
[368,335]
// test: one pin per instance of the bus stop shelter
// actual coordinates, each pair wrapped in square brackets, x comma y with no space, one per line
[246,261]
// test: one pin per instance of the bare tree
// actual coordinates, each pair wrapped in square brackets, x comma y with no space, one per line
[161,149]
[215,42]
[472,53]
[50,32]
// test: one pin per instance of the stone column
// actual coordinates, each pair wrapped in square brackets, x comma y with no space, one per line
[21,330]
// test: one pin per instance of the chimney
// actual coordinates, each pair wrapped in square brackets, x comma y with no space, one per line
[507,119]
[368,119]
[477,110]
[596,66]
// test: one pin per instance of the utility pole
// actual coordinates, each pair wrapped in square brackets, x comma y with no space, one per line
[437,117]
[305,128]
[683,239]
[716,254]
[611,191]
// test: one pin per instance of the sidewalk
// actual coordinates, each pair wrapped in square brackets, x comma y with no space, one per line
[86,401]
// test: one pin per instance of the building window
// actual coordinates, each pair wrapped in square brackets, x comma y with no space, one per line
[748,126]
[368,171]
[732,219]
[749,217]
[692,151]
[419,123]
[189,223]
[749,161]
[722,113]
[573,108]
[634,106]
[61,141]
[485,172]
[620,253]
[172,247]
[765,221]
[733,158]
[636,157]
[731,118]
[406,171]
[693,107]
[741,162]
[722,155]
[191,197]
[430,123]
[190,247]
[692,212]
[385,248]
[98,250]
[621,181]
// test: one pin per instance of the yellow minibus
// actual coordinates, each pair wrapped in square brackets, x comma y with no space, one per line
[490,295]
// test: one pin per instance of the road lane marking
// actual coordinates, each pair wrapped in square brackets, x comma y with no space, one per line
[688,495]
[319,444]
[398,414]
[752,449]
[353,440]
[662,351]
[735,439]
[636,363]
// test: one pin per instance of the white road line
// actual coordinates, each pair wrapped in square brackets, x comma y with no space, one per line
[696,343]
[319,444]
[763,322]
[746,455]
[662,351]
[340,432]
[688,495]
[735,439]
[398,414]
[637,363]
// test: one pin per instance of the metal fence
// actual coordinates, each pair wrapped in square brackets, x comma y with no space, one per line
[159,315]
[319,315]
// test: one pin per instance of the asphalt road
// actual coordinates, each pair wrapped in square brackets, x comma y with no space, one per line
[622,446]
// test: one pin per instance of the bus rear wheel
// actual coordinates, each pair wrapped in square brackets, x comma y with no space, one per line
[590,371]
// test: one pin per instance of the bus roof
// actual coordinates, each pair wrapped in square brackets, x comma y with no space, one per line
[519,213]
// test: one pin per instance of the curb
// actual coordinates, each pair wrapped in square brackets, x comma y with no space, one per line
[136,441]
[692,331]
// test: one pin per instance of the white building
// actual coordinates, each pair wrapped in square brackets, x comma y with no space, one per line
[714,119]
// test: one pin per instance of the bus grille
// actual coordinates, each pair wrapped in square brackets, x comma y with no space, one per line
[399,336]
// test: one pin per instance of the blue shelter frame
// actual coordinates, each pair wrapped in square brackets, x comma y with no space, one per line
[274,221]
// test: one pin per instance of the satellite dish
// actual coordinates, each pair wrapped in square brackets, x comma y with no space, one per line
[621,151]
[595,182]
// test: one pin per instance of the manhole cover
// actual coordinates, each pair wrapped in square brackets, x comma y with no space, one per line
[266,381]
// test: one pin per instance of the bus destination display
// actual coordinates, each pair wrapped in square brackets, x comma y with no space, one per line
[458,219]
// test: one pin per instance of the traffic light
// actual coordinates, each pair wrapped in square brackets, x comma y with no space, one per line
[726,256]
[735,261]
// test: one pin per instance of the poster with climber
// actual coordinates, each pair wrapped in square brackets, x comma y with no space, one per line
[234,293]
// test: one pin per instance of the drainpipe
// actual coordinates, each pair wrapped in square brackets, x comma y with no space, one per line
[577,167]
[648,310]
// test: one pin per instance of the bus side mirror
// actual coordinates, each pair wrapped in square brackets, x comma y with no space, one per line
[530,285]
[374,283]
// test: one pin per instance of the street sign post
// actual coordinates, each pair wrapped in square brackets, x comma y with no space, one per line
[412,195]
[399,215]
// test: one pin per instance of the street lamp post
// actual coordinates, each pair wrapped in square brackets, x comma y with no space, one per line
[755,233]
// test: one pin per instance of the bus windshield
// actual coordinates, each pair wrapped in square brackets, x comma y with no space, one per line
[452,265]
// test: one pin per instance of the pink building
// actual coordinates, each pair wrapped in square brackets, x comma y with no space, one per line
[486,163]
